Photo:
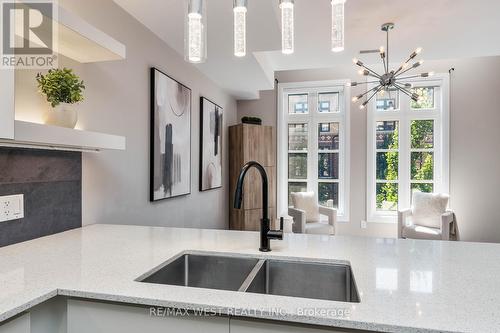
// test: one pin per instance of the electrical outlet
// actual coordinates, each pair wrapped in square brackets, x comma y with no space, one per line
[363,225]
[11,207]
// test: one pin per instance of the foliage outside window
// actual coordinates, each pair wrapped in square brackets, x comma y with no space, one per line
[407,148]
[315,143]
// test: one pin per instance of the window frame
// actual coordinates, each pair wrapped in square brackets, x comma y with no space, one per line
[313,119]
[404,115]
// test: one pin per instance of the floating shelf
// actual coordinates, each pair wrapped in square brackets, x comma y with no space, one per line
[32,135]
[82,42]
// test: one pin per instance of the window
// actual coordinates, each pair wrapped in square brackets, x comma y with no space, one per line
[407,147]
[312,144]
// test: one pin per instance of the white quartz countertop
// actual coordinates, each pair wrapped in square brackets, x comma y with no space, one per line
[404,285]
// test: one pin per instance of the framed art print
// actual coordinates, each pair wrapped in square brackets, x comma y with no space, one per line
[170,137]
[211,120]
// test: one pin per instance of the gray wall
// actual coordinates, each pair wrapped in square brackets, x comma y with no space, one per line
[474,139]
[116,184]
[51,182]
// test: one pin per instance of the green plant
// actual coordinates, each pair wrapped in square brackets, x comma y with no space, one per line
[61,86]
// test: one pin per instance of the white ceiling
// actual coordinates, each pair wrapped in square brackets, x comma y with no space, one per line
[444,28]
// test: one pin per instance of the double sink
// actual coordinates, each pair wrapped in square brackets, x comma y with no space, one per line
[294,278]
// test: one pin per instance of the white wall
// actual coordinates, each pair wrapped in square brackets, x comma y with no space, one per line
[116,184]
[474,139]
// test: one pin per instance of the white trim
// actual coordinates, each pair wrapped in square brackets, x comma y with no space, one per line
[440,116]
[7,107]
[343,118]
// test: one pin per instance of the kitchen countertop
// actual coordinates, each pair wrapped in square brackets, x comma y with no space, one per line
[404,285]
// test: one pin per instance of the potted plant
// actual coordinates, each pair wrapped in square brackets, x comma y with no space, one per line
[62,89]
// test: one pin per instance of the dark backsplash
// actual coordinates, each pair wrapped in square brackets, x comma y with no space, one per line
[51,182]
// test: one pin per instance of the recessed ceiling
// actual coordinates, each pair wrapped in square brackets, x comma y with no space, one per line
[444,28]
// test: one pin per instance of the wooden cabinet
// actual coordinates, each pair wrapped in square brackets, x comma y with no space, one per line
[251,143]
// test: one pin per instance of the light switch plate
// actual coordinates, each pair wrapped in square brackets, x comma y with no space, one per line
[11,207]
[363,225]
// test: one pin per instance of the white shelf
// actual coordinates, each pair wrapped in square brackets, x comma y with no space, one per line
[32,135]
[82,42]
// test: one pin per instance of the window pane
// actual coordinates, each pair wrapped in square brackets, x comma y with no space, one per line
[297,166]
[328,136]
[328,166]
[328,194]
[422,134]
[297,137]
[426,188]
[387,196]
[297,104]
[387,134]
[328,102]
[422,166]
[426,98]
[387,166]
[295,187]
[388,100]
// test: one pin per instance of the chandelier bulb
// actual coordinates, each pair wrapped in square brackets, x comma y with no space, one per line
[418,50]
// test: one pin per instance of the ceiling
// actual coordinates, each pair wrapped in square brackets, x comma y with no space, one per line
[444,28]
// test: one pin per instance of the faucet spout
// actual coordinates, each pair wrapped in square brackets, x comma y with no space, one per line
[265,233]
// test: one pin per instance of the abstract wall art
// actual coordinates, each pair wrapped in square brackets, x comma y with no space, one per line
[211,121]
[170,137]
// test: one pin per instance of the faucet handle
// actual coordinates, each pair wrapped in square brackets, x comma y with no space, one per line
[282,219]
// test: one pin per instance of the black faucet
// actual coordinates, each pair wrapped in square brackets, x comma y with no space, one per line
[265,231]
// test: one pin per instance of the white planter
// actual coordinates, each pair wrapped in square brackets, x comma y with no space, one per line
[63,115]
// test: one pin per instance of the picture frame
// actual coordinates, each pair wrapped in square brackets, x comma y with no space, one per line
[170,137]
[211,145]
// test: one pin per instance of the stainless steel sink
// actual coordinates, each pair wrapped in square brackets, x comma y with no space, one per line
[212,272]
[317,280]
[331,282]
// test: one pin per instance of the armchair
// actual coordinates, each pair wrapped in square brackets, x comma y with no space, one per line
[311,218]
[427,219]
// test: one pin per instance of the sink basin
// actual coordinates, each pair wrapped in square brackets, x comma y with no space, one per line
[317,280]
[212,272]
[331,282]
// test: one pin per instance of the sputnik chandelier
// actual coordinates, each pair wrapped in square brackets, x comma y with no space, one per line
[390,80]
[195,38]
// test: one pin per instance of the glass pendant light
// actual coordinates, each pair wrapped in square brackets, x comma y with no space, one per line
[338,25]
[195,39]
[240,27]
[287,26]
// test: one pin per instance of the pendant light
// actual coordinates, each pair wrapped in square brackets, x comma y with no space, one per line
[287,26]
[338,23]
[195,39]
[240,27]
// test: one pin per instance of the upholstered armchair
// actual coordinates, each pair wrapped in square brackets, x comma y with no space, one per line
[428,218]
[311,218]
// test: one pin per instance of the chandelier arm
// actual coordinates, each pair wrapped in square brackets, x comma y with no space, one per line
[404,90]
[402,66]
[409,77]
[366,82]
[405,71]
[383,61]
[371,71]
[373,95]
[368,91]
[387,51]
